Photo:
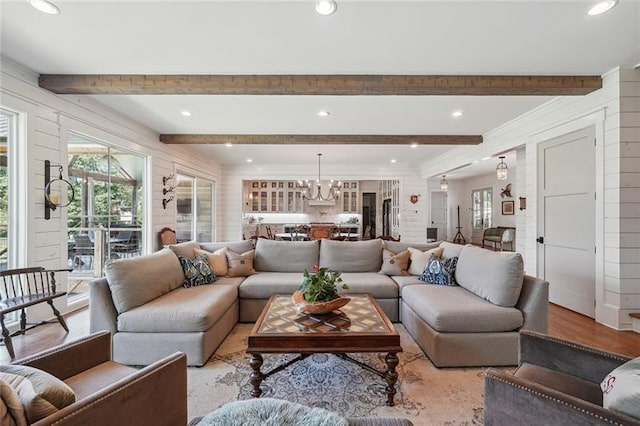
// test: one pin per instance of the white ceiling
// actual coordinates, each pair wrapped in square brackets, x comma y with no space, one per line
[362,37]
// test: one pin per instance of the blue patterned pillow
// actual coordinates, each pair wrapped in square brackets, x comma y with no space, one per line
[197,271]
[438,271]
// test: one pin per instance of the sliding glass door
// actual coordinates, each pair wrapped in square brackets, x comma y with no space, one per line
[105,220]
[194,204]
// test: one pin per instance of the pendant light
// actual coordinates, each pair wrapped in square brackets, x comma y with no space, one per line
[444,185]
[502,171]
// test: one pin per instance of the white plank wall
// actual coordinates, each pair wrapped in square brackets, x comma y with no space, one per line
[617,220]
[48,121]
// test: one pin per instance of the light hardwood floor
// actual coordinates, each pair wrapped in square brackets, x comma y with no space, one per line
[563,323]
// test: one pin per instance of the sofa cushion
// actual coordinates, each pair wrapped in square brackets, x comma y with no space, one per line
[185,249]
[234,281]
[193,309]
[285,256]
[136,281]
[405,281]
[395,264]
[440,272]
[217,260]
[450,309]
[351,256]
[40,393]
[264,284]
[450,249]
[621,389]
[420,258]
[398,246]
[380,286]
[197,271]
[496,277]
[240,265]
[236,246]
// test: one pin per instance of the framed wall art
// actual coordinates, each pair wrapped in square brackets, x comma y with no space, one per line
[508,208]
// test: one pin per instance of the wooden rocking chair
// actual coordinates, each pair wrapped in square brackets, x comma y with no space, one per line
[21,288]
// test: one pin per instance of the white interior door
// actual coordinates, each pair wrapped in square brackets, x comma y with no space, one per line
[439,213]
[481,213]
[566,219]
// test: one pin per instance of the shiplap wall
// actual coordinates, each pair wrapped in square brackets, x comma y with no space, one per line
[613,112]
[46,121]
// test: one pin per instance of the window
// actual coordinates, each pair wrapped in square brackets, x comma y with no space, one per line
[194,202]
[481,200]
[105,220]
[8,128]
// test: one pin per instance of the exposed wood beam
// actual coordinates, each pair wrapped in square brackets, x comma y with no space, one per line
[333,85]
[323,139]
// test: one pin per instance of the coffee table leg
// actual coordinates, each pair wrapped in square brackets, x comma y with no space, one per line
[391,376]
[256,376]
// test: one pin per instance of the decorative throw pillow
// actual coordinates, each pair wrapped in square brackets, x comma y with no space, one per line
[240,265]
[419,259]
[217,260]
[41,393]
[197,271]
[621,389]
[438,271]
[395,264]
[11,409]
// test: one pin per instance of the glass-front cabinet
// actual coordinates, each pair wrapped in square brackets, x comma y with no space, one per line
[274,197]
[350,196]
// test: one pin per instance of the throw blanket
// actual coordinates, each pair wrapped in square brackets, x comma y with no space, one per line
[271,412]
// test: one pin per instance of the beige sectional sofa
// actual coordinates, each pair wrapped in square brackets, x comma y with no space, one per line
[149,314]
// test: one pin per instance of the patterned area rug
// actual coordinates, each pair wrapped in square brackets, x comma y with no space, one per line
[425,395]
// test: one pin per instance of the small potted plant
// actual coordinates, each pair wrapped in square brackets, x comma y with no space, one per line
[318,293]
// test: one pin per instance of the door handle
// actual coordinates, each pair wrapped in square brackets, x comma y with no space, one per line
[540,240]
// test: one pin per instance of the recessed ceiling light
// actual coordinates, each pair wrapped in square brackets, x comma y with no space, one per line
[393,160]
[456,114]
[326,7]
[186,113]
[414,145]
[324,113]
[228,144]
[602,7]
[46,7]
[249,160]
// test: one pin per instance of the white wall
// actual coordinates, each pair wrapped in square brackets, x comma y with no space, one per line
[46,121]
[614,112]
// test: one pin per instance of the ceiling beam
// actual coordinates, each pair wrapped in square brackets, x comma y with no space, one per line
[177,139]
[332,85]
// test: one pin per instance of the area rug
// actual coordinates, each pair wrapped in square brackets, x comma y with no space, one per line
[425,395]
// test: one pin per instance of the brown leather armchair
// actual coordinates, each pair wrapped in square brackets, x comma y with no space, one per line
[108,393]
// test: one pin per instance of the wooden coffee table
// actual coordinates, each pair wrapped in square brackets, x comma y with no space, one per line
[359,326]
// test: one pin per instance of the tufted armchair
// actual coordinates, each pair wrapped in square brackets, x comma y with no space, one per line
[557,383]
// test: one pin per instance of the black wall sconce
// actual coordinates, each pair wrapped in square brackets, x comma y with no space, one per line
[523,203]
[52,201]
[166,200]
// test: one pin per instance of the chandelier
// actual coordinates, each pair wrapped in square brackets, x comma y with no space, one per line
[309,193]
[502,170]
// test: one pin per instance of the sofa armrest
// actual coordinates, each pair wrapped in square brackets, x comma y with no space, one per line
[510,400]
[534,304]
[72,358]
[102,311]
[566,357]
[154,395]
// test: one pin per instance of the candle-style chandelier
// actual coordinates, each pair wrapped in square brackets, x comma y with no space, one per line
[309,193]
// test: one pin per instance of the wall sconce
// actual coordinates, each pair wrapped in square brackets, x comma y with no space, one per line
[166,201]
[52,200]
[523,203]
[502,171]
